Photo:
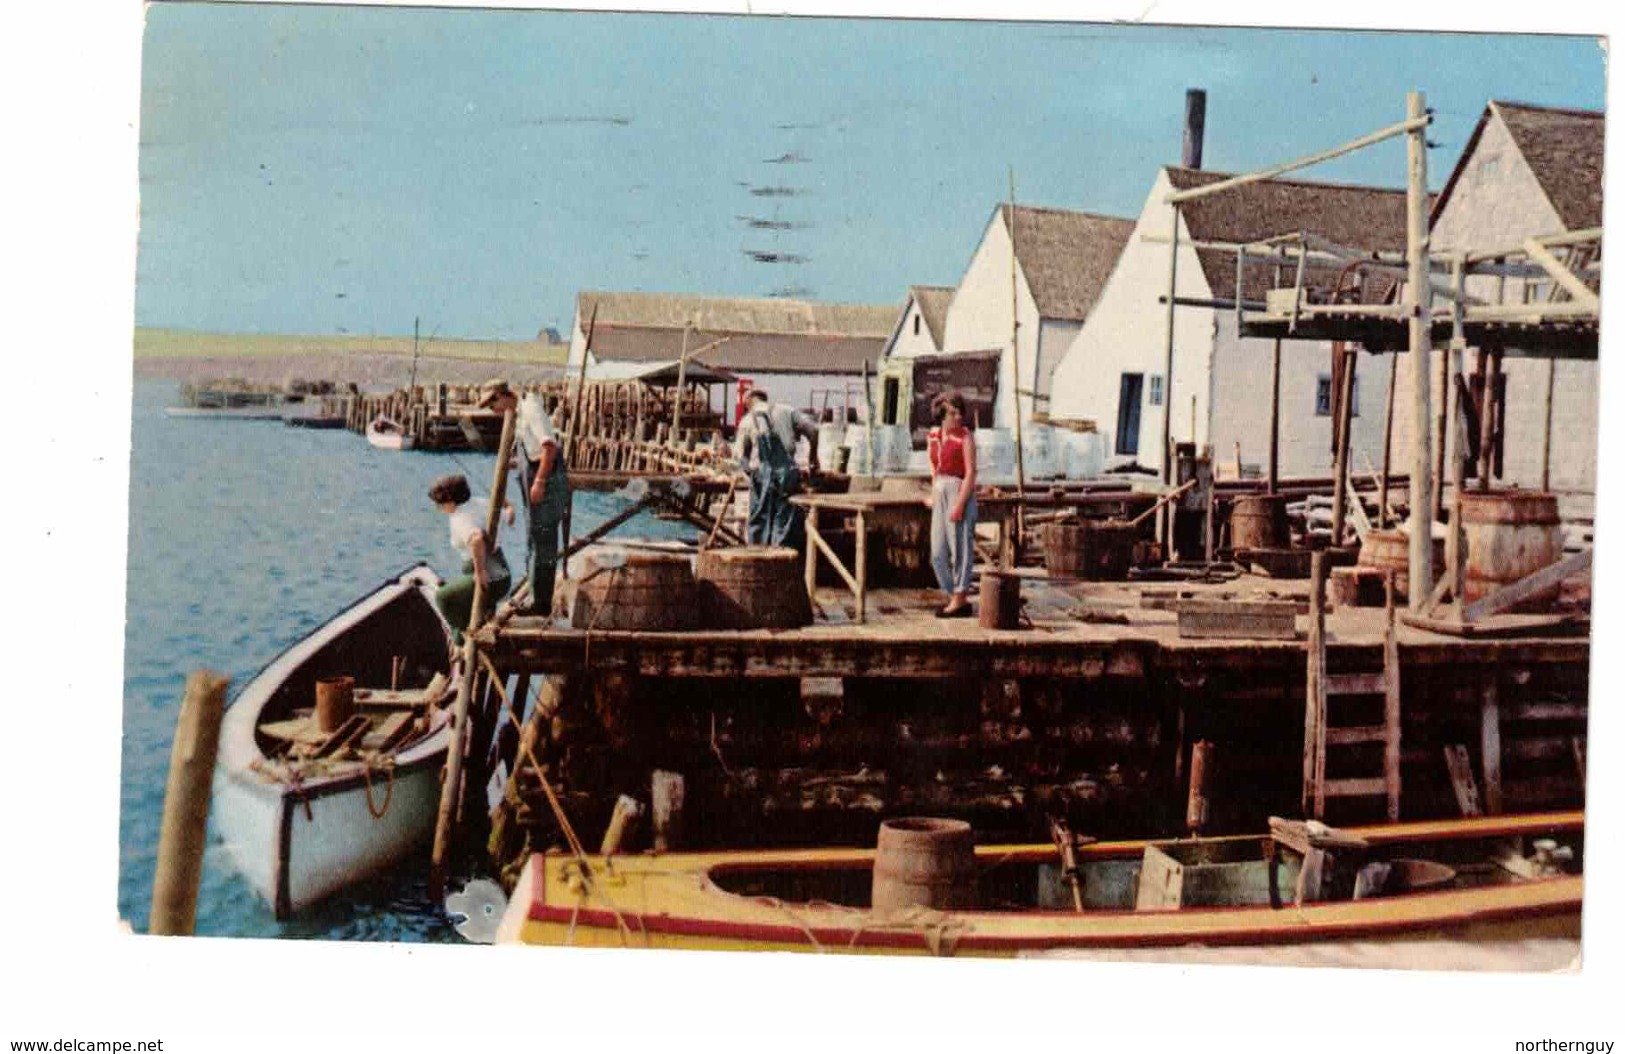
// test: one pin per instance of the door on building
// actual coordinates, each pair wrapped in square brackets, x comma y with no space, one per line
[888,400]
[1128,413]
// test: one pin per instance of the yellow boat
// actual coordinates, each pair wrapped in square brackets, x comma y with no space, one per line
[1478,886]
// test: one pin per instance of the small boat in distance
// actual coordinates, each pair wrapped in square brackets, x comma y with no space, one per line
[304,812]
[1398,888]
[388,434]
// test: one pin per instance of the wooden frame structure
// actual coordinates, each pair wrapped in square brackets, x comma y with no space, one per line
[1560,320]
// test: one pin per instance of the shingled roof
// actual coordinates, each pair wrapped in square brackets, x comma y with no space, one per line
[933,301]
[1358,217]
[1066,256]
[766,335]
[1563,148]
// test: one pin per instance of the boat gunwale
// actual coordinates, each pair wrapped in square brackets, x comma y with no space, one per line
[1390,916]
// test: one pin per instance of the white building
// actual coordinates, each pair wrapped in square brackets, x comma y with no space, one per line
[806,353]
[1220,391]
[1527,171]
[1062,260]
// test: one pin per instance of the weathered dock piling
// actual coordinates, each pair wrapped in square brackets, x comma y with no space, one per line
[183,835]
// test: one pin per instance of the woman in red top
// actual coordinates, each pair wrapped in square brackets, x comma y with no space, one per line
[953,503]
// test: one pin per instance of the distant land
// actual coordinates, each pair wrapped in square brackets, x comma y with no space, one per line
[377,361]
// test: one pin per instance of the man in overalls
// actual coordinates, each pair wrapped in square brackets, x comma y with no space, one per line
[767,449]
[543,477]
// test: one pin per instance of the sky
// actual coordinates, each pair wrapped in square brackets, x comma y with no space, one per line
[347,169]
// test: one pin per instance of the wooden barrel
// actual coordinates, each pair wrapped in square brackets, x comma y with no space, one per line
[1510,534]
[924,862]
[1391,551]
[753,588]
[651,591]
[1101,550]
[1258,521]
[1001,600]
[335,702]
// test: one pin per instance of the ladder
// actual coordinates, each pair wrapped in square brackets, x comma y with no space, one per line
[1324,687]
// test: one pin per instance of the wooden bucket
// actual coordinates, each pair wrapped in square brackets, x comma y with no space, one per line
[924,862]
[1001,601]
[1510,534]
[1258,521]
[335,702]
[1391,551]
[651,591]
[1101,550]
[753,588]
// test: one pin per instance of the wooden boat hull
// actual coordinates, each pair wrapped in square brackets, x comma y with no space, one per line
[298,843]
[675,901]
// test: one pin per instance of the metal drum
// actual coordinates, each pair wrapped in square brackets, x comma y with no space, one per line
[1258,521]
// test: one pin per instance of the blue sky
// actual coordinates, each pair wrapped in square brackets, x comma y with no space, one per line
[337,169]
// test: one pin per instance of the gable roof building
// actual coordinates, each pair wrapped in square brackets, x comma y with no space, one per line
[1113,372]
[756,335]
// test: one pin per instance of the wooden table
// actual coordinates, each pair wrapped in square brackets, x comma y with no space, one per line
[869,510]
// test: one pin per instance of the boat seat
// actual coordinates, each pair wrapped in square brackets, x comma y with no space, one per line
[1314,843]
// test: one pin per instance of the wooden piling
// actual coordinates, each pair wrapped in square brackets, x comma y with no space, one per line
[183,835]
[666,797]
[1345,422]
[1419,297]
[451,785]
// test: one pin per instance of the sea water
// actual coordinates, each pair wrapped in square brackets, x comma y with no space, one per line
[244,536]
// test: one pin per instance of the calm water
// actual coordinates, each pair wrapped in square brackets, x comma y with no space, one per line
[244,535]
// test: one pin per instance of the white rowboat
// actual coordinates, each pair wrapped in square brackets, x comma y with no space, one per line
[302,828]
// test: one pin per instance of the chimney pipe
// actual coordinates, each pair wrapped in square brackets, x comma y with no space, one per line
[1195,121]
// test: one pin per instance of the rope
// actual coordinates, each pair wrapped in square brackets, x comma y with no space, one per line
[367,766]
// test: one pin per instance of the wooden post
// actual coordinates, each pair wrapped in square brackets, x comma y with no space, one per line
[1420,303]
[1314,697]
[682,374]
[666,800]
[1165,520]
[1546,432]
[451,785]
[182,837]
[1388,440]
[1490,742]
[1275,417]
[1015,377]
[1345,425]
[860,556]
[1486,418]
[1198,801]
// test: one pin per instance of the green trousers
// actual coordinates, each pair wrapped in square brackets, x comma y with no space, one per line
[455,599]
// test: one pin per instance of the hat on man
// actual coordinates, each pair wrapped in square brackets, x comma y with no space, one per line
[492,390]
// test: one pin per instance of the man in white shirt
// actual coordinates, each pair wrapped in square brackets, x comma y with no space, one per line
[766,446]
[545,482]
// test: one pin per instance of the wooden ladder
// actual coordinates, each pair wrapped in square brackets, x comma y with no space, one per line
[1319,733]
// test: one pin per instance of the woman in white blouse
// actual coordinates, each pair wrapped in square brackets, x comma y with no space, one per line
[482,562]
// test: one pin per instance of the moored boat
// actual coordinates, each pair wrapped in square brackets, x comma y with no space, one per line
[229,399]
[1398,886]
[387,434]
[305,812]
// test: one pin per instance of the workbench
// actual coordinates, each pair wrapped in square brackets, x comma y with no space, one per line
[868,511]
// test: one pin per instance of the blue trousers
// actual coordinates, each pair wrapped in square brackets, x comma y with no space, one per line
[545,519]
[953,545]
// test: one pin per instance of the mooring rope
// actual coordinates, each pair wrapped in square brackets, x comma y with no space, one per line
[388,767]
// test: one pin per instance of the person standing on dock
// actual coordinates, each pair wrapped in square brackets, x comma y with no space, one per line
[953,503]
[482,562]
[546,483]
[766,445]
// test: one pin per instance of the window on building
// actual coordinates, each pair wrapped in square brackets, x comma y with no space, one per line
[1323,396]
[916,325]
[1154,391]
